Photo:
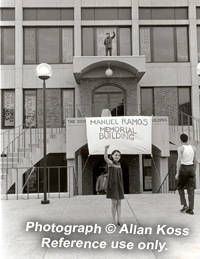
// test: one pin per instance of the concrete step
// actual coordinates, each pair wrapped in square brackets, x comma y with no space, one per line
[8,165]
[26,150]
[53,136]
[11,159]
[16,154]
[34,145]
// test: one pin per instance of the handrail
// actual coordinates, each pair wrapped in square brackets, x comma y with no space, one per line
[75,183]
[178,120]
[14,140]
[4,132]
[8,133]
[34,179]
[26,138]
[166,177]
[23,128]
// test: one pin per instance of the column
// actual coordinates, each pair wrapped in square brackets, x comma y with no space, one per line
[194,77]
[70,176]
[193,58]
[135,28]
[159,171]
[141,174]
[79,174]
[18,63]
[77,28]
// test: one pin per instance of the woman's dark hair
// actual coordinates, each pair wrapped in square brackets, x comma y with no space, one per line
[114,151]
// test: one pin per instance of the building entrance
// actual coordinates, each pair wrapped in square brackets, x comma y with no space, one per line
[147,173]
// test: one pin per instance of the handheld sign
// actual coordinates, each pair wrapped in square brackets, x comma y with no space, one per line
[129,134]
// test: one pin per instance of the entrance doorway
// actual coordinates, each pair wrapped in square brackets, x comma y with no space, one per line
[147,173]
[100,168]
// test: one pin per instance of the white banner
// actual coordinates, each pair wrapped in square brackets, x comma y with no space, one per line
[128,134]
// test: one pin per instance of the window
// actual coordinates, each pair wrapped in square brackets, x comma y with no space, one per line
[49,45]
[124,41]
[7,46]
[93,41]
[8,109]
[147,101]
[106,13]
[68,104]
[59,105]
[48,50]
[198,41]
[109,97]
[164,44]
[198,12]
[7,14]
[30,108]
[184,105]
[163,47]
[48,14]
[174,102]
[179,13]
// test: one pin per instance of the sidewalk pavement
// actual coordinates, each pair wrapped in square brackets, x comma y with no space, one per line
[76,228]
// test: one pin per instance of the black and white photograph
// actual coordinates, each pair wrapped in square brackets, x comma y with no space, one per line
[100,129]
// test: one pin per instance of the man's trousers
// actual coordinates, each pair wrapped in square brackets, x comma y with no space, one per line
[187,179]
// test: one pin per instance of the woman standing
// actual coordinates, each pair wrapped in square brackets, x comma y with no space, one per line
[115,189]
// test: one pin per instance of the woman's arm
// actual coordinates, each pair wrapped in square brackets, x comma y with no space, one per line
[108,161]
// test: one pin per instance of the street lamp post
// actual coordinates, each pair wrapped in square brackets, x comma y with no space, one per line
[44,72]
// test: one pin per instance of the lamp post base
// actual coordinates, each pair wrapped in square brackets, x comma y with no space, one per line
[45,202]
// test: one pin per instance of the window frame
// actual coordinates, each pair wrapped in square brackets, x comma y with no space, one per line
[2,46]
[36,105]
[175,14]
[95,9]
[24,108]
[62,105]
[2,15]
[178,103]
[53,8]
[37,28]
[153,99]
[198,42]
[2,109]
[121,90]
[175,43]
[94,28]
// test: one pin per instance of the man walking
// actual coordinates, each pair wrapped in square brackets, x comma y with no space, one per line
[186,167]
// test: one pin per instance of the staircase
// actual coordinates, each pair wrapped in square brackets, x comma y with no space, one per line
[24,148]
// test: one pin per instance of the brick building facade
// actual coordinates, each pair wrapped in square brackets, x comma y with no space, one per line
[155,54]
